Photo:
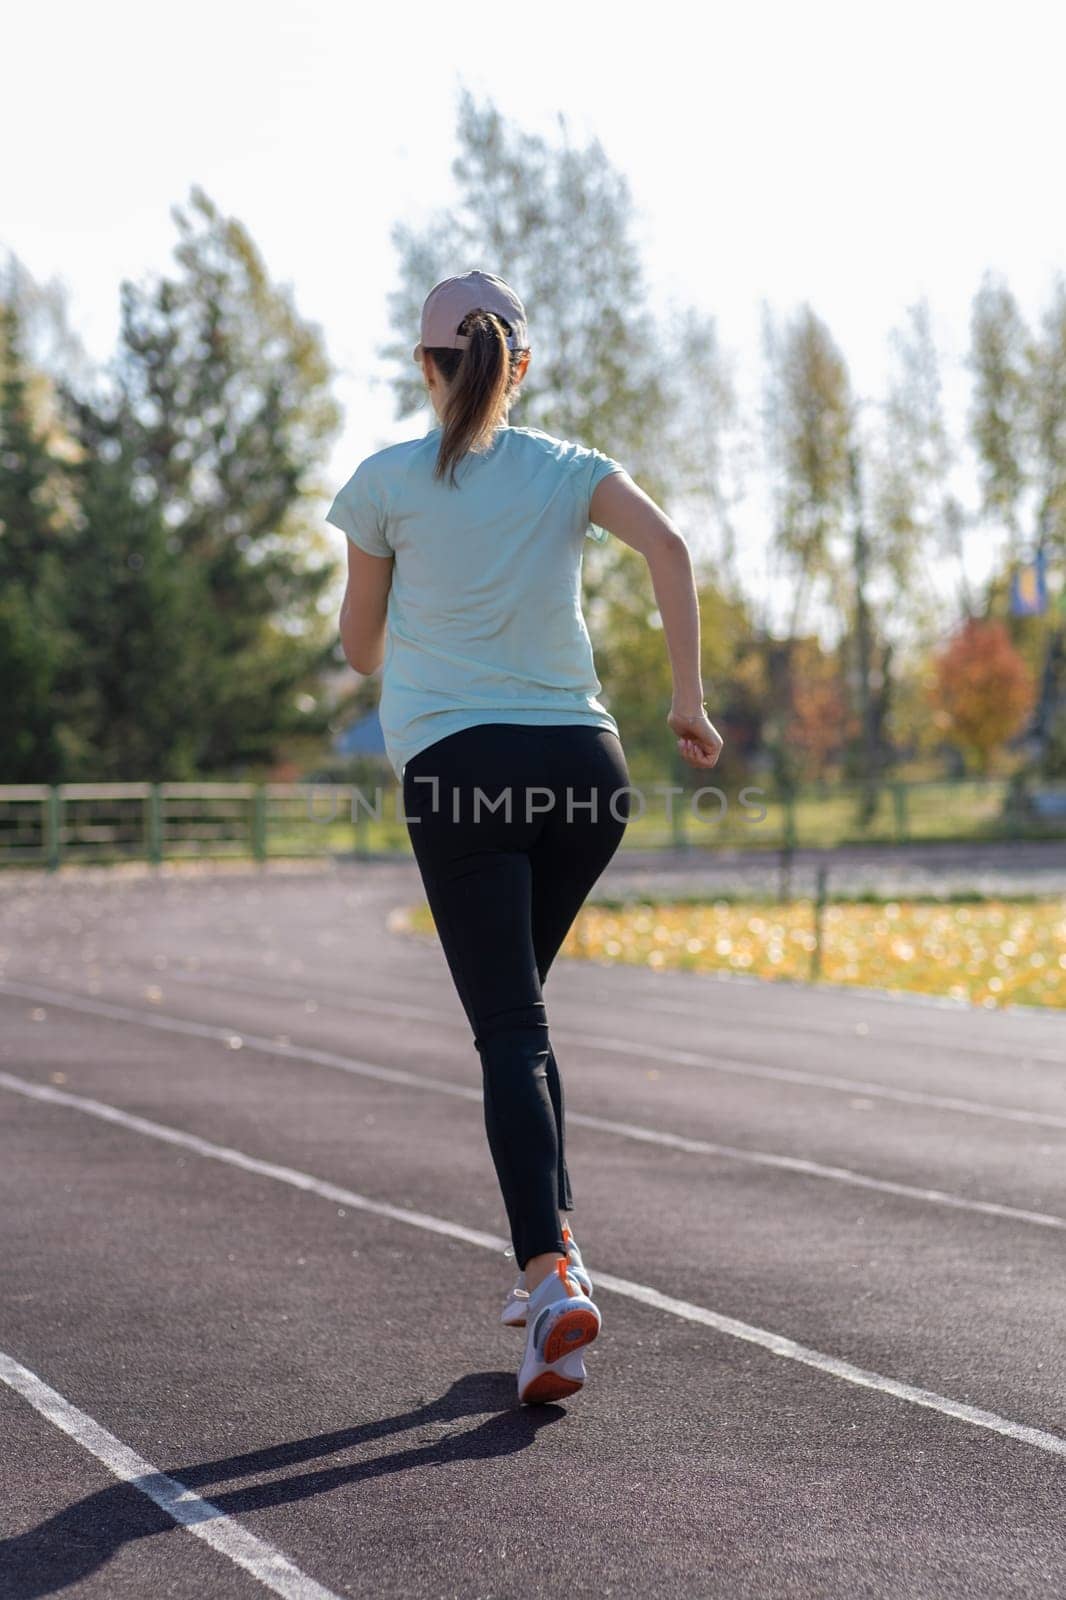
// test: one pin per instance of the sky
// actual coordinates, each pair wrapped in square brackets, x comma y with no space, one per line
[851,156]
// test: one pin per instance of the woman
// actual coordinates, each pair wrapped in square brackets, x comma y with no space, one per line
[464,586]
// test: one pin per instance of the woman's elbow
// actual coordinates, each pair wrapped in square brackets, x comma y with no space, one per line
[669,550]
[359,659]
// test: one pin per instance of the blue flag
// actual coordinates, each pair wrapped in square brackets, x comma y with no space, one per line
[1028,588]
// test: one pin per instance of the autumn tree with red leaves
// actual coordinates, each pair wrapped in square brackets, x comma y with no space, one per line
[983,691]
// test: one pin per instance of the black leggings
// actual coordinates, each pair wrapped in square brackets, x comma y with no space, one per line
[504,887]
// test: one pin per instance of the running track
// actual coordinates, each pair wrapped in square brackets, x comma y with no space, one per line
[251,1254]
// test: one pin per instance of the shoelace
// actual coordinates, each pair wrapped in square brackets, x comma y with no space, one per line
[570,1283]
[564,1267]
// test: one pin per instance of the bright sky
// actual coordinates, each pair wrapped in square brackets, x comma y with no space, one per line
[853,155]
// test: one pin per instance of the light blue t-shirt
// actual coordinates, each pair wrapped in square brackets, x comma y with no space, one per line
[484,620]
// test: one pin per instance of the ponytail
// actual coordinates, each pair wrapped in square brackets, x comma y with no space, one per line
[480,385]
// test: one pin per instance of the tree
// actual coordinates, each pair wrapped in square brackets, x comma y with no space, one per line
[30,750]
[819,719]
[706,445]
[1019,424]
[915,514]
[1048,388]
[27,502]
[983,691]
[1048,367]
[807,416]
[870,696]
[30,569]
[1000,414]
[139,676]
[227,388]
[819,531]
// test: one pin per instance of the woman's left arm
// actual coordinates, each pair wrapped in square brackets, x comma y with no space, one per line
[363,611]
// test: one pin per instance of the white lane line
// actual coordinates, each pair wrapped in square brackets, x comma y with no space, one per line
[834,992]
[779,1345]
[708,1063]
[776,1343]
[874,1034]
[625,1130]
[237,1158]
[202,1519]
[845,1031]
[814,1169]
[818,1080]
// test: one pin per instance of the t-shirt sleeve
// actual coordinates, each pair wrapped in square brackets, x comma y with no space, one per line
[592,466]
[360,511]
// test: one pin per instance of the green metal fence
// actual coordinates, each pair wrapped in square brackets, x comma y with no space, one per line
[46,825]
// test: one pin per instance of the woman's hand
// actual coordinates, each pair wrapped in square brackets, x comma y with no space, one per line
[698,740]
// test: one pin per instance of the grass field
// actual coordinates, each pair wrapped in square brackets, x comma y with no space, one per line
[990,952]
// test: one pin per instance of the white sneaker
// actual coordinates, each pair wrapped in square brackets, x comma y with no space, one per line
[562,1320]
[513,1314]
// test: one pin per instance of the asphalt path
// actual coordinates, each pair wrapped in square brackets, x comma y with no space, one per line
[252,1261]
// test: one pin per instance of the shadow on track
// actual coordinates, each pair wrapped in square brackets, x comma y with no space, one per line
[77,1541]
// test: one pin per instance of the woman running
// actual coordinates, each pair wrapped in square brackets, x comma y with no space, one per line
[464,587]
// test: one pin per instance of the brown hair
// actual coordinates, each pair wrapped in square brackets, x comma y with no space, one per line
[481,385]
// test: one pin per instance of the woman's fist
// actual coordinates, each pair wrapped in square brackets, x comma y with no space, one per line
[698,740]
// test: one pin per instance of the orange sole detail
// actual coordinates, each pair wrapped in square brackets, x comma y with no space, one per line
[573,1330]
[550,1386]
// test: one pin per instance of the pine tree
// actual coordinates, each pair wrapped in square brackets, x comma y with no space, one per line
[138,677]
[228,392]
[30,567]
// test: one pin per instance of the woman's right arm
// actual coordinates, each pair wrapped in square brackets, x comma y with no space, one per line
[626,511]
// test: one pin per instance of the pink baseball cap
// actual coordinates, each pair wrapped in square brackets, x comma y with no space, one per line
[449,301]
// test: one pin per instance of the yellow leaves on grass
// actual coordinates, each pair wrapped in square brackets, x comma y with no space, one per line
[992,952]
